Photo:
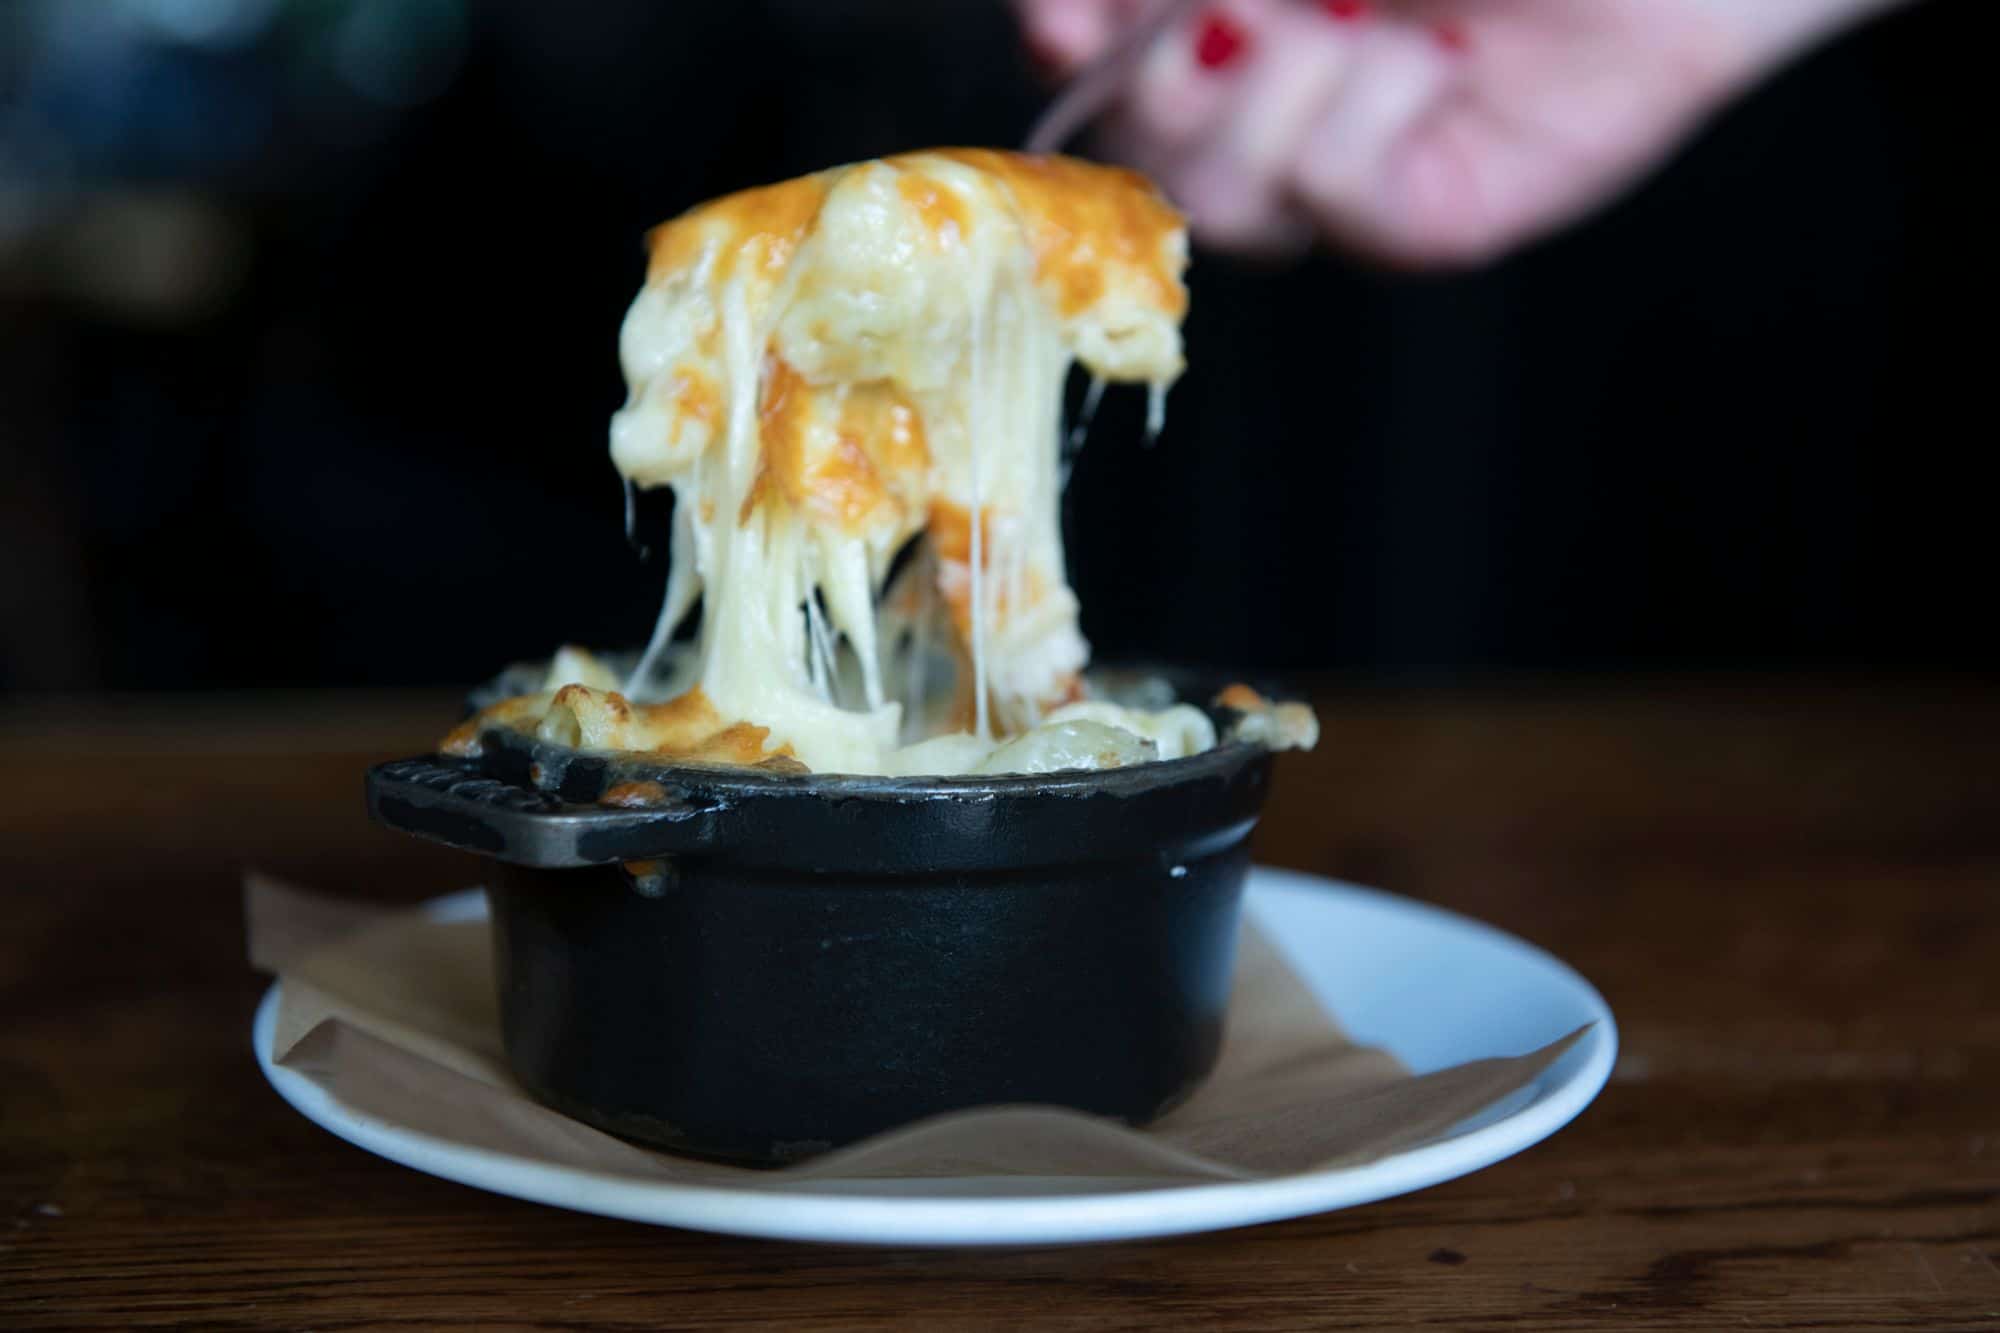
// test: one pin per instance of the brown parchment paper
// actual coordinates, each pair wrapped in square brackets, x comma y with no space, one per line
[397,1018]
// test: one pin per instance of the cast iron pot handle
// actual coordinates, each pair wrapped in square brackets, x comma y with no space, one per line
[479,814]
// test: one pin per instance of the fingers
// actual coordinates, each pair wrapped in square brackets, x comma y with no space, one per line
[1349,170]
[1183,83]
[1267,119]
[1068,34]
[1270,120]
[1234,176]
[1421,131]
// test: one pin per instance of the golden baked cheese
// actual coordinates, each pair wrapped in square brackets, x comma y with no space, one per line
[828,370]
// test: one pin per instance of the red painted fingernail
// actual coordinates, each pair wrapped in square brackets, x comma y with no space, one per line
[1219,41]
[1451,36]
[1347,11]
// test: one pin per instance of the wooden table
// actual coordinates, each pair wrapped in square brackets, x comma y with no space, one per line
[1789,893]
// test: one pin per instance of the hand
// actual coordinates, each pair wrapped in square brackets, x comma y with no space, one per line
[1423,132]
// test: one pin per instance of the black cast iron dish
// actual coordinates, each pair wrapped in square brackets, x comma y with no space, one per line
[759,967]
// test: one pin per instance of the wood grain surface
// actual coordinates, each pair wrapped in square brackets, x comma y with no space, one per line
[1790,894]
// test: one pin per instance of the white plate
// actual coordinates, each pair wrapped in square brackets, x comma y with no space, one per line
[1435,988]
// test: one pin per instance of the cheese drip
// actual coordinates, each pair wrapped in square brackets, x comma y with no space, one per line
[828,369]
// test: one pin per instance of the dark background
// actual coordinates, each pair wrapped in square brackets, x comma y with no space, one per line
[308,319]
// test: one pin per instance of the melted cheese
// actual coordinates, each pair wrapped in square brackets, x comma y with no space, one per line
[827,369]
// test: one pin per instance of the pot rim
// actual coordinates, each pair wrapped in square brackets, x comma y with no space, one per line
[727,781]
[1194,686]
